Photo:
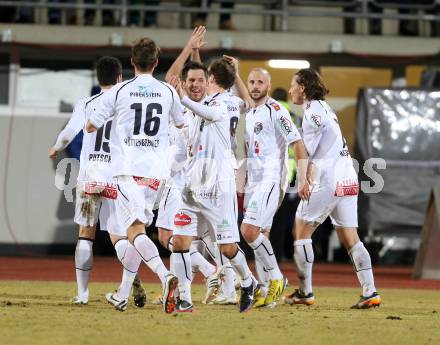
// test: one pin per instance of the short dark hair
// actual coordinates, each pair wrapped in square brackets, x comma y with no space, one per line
[314,87]
[144,53]
[108,69]
[279,94]
[193,65]
[223,73]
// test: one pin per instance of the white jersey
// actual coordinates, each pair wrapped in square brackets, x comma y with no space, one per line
[334,165]
[95,156]
[269,131]
[178,155]
[210,156]
[234,104]
[143,108]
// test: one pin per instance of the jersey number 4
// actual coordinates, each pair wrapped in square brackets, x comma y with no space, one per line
[152,123]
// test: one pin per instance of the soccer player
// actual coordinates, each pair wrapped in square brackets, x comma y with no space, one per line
[335,188]
[269,132]
[210,192]
[143,109]
[95,191]
[194,78]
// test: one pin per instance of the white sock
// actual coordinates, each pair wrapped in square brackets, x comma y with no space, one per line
[198,262]
[130,263]
[150,255]
[240,266]
[362,264]
[83,266]
[121,248]
[263,276]
[264,252]
[182,269]
[228,282]
[304,257]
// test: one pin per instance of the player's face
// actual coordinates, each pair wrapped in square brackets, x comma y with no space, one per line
[195,84]
[258,84]
[296,92]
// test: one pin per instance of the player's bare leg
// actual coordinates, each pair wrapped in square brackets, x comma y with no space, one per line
[84,262]
[265,256]
[304,257]
[361,260]
[238,260]
[181,260]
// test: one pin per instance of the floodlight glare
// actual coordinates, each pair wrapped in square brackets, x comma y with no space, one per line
[291,64]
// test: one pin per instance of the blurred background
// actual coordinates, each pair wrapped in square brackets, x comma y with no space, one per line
[379,58]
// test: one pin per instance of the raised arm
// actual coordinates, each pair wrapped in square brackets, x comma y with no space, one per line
[195,42]
[239,84]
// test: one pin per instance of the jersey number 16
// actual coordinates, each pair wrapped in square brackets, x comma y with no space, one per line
[152,123]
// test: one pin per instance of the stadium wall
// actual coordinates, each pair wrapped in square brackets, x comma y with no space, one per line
[30,211]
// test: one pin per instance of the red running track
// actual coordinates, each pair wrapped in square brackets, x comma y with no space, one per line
[108,269]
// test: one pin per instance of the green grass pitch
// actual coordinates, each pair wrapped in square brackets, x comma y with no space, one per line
[39,313]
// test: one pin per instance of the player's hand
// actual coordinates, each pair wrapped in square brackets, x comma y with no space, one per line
[197,39]
[232,61]
[53,153]
[175,82]
[304,189]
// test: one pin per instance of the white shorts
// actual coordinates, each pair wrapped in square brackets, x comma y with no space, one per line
[323,203]
[168,208]
[136,199]
[212,210]
[261,203]
[89,207]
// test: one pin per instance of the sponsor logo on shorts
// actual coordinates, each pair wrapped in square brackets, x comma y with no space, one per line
[258,128]
[105,190]
[346,188]
[253,205]
[223,225]
[152,183]
[182,219]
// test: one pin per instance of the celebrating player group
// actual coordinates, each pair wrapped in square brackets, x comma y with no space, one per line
[172,146]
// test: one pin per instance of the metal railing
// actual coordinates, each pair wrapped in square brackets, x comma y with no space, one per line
[282,9]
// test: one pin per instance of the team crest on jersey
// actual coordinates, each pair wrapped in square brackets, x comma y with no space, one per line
[276,106]
[285,125]
[258,127]
[316,119]
[182,219]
